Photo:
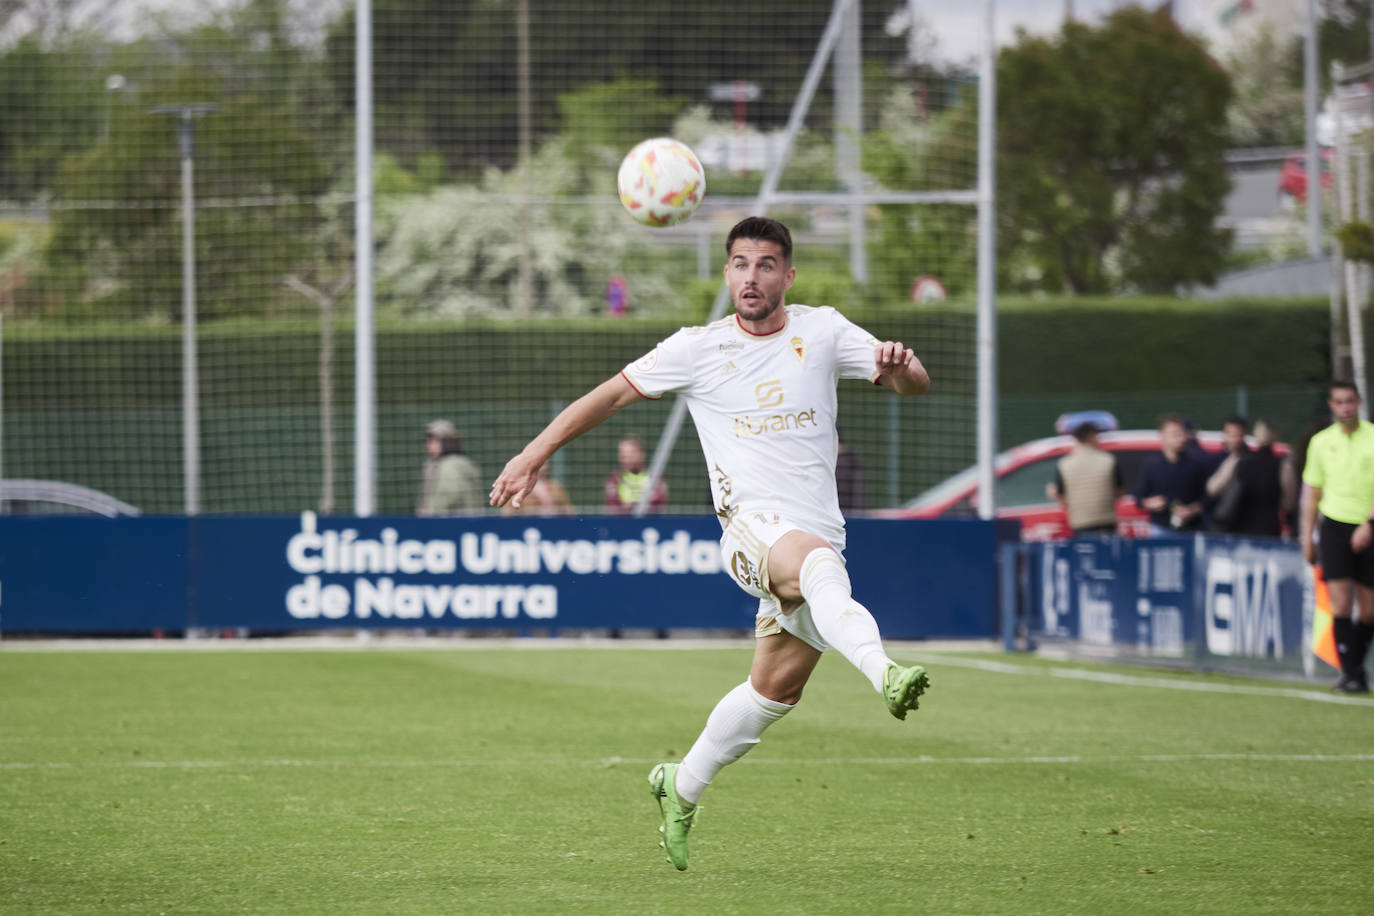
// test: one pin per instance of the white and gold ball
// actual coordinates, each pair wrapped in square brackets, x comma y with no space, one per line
[661,182]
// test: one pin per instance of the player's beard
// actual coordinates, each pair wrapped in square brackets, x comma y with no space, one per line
[758,310]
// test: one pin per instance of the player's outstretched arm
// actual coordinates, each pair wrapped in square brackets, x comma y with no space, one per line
[518,478]
[899,369]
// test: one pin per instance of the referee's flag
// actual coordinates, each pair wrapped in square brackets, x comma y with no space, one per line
[1323,635]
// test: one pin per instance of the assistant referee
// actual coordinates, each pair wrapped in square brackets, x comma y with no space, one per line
[1336,526]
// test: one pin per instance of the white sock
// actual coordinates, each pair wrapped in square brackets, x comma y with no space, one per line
[733,727]
[842,622]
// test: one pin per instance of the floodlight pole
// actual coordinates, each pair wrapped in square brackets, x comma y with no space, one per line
[987,268]
[1310,87]
[186,116]
[364,337]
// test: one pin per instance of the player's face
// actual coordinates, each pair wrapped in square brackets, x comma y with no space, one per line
[758,278]
[631,456]
[1171,438]
[1233,434]
[1344,404]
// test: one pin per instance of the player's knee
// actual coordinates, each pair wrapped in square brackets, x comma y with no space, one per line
[822,568]
[786,559]
[782,686]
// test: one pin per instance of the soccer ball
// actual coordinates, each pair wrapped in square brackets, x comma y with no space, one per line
[661,182]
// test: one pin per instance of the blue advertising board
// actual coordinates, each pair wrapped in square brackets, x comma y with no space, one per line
[1206,600]
[920,578]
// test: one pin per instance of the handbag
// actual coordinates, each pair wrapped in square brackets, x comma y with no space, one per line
[1226,512]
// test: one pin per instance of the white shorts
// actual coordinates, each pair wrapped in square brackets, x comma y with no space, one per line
[744,546]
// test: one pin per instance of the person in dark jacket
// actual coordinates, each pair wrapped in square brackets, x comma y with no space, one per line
[1172,484]
[1265,487]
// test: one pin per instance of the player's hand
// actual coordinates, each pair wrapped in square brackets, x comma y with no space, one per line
[1309,551]
[516,481]
[1360,539]
[892,358]
[899,369]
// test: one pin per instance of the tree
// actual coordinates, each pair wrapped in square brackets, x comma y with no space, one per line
[931,152]
[1110,159]
[454,252]
[445,77]
[1267,76]
[116,227]
[51,105]
[1342,35]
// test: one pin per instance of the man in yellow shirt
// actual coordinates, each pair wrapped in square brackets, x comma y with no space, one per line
[1336,510]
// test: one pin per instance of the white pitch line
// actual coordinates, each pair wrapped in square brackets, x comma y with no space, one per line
[1131,680]
[923,760]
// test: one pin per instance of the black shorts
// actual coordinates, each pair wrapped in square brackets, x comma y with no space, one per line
[1337,559]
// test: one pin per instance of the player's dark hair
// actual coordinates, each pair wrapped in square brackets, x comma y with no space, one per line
[1338,383]
[1167,418]
[763,229]
[1085,431]
[1236,420]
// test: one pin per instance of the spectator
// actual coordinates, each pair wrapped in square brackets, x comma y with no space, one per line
[849,477]
[1087,483]
[625,486]
[547,498]
[451,483]
[1336,510]
[1194,450]
[1172,484]
[1258,490]
[1223,489]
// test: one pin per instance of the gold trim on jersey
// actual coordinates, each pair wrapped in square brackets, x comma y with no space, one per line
[725,511]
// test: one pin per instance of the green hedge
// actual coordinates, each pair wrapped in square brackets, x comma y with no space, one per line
[100,406]
[1044,346]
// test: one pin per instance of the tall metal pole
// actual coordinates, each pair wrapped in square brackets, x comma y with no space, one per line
[364,370]
[848,130]
[190,373]
[522,55]
[186,116]
[987,269]
[1345,193]
[1310,85]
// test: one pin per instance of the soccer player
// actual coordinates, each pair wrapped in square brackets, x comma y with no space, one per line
[760,385]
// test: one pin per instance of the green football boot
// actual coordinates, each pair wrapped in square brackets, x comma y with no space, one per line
[676,822]
[902,688]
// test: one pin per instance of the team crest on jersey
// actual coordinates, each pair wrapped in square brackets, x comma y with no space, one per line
[799,348]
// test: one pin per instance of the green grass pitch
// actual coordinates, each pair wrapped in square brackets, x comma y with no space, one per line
[507,780]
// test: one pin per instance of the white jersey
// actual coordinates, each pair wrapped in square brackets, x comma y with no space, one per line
[764,407]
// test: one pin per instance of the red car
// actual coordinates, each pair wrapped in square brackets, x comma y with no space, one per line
[1293,177]
[1024,471]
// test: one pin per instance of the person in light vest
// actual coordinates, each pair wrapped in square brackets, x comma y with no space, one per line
[625,485]
[1087,483]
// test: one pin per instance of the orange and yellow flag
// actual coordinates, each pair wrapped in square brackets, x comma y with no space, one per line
[1323,635]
